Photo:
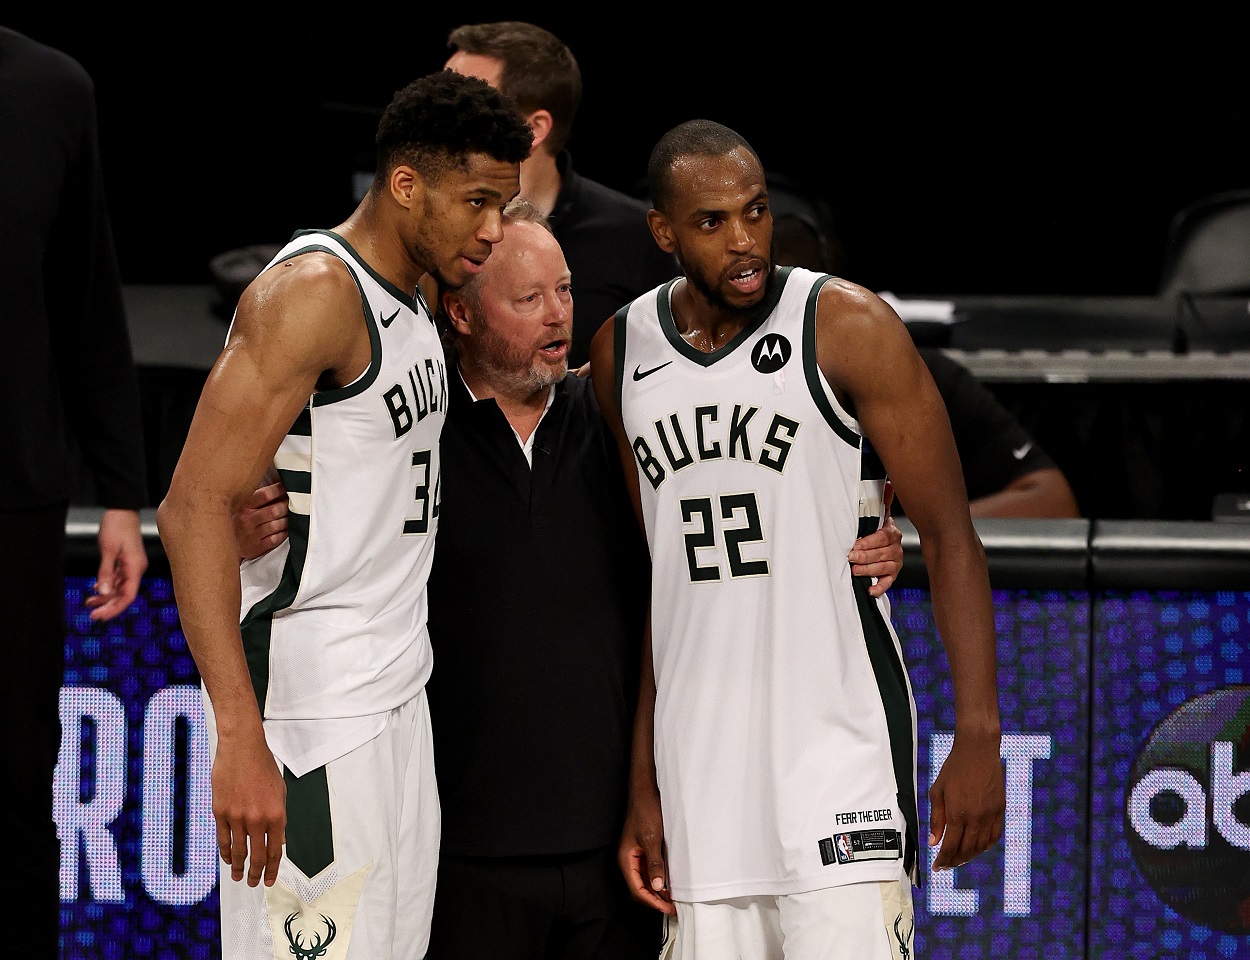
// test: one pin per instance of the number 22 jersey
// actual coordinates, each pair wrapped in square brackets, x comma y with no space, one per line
[784,720]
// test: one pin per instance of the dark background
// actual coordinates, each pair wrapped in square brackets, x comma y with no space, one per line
[1027,158]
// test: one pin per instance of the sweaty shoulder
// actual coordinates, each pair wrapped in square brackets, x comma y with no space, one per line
[307,307]
[312,281]
[857,333]
[846,309]
[853,303]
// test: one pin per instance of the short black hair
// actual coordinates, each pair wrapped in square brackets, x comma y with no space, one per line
[436,122]
[699,138]
[537,70]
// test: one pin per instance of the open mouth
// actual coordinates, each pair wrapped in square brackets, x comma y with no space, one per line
[747,278]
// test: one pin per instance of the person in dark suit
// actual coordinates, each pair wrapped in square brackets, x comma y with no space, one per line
[74,395]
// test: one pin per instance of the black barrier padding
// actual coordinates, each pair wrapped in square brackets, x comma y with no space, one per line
[1052,554]
[1076,554]
[1169,555]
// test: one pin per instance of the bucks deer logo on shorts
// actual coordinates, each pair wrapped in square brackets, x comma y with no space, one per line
[903,930]
[318,941]
[304,928]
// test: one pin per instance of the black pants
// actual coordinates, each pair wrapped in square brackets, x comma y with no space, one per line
[32,569]
[573,907]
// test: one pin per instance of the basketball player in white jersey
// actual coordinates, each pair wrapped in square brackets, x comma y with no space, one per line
[758,411]
[314,657]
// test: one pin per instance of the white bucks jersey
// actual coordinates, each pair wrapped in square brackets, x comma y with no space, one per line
[334,621]
[784,720]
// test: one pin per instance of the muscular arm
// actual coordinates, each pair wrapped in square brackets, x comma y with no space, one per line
[293,324]
[641,852]
[904,418]
[641,856]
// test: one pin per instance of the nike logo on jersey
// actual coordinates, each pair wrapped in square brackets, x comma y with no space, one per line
[639,373]
[1020,452]
[387,321]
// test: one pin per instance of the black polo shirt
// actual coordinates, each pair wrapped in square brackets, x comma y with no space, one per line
[537,605]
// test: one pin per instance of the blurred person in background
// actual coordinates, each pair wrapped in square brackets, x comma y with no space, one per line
[1006,472]
[603,231]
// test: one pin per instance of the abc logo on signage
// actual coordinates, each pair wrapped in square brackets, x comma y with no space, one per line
[1187,809]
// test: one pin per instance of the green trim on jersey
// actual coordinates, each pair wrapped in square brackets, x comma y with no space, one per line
[309,825]
[408,299]
[365,380]
[870,468]
[891,677]
[296,481]
[758,316]
[811,369]
[257,625]
[302,427]
[618,345]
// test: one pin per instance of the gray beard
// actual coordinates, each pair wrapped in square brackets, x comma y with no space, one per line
[510,371]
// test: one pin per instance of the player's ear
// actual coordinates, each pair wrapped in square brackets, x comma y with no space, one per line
[540,122]
[457,314]
[406,186]
[661,231]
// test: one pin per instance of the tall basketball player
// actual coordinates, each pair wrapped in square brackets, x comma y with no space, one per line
[314,657]
[773,793]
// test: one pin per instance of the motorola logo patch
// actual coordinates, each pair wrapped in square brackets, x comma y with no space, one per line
[1187,809]
[770,353]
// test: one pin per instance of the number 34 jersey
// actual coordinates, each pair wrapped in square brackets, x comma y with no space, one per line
[334,620]
[784,719]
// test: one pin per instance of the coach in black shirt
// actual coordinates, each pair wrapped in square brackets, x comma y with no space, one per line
[537,604]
